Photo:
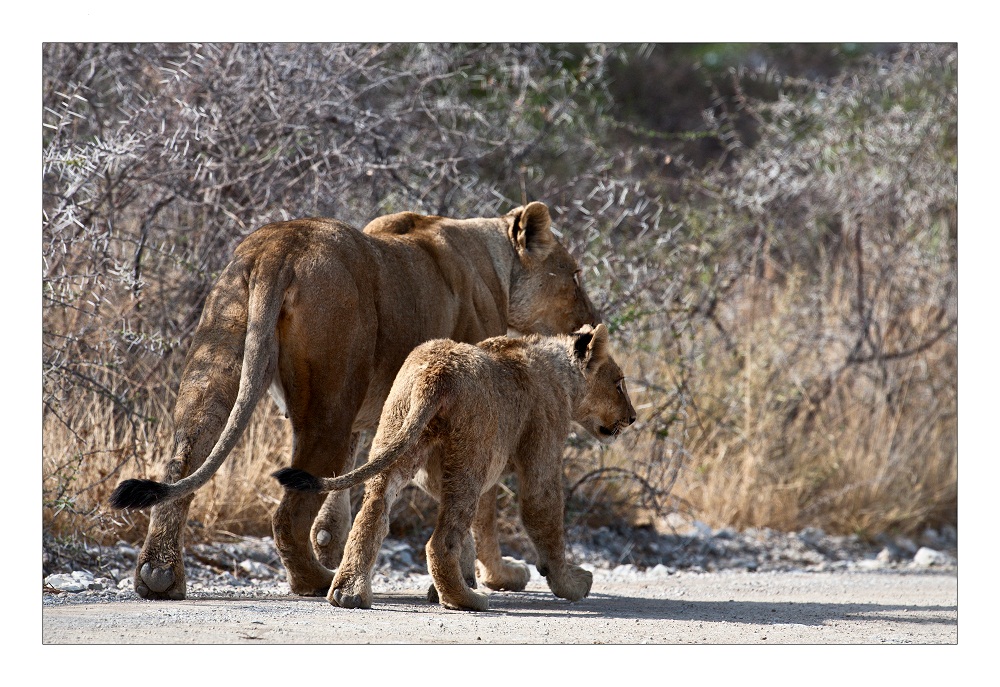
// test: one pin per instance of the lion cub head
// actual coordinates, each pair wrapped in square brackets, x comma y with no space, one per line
[606,409]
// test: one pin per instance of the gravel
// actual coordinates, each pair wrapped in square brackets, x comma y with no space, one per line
[692,586]
[249,567]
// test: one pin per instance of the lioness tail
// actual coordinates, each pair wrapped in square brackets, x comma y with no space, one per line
[260,353]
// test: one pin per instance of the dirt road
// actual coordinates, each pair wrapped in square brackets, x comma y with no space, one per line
[701,608]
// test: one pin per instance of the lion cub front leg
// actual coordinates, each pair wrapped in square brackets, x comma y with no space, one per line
[352,585]
[540,487]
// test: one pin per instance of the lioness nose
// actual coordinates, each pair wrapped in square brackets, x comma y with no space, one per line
[631,418]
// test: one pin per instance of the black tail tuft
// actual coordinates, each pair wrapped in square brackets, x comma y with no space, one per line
[297,480]
[138,493]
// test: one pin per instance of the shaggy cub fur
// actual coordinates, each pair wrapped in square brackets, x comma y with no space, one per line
[456,415]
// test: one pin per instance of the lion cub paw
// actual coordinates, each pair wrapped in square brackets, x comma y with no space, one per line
[471,601]
[574,583]
[511,576]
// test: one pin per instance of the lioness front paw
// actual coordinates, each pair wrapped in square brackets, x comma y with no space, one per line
[512,575]
[573,584]
[154,580]
[351,594]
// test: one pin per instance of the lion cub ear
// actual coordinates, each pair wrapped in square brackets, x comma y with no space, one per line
[530,231]
[590,346]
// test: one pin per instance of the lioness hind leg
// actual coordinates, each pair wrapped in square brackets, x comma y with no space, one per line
[352,586]
[497,572]
[321,447]
[159,570]
[333,522]
[199,415]
[330,528]
[291,523]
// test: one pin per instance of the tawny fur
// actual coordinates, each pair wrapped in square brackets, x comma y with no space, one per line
[456,417]
[324,315]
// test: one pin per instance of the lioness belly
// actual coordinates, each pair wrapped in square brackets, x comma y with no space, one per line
[277,393]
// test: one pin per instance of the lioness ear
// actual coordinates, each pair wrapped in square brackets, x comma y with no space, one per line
[530,231]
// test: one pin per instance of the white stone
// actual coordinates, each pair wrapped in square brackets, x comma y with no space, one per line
[76,581]
[255,568]
[885,556]
[926,557]
[659,570]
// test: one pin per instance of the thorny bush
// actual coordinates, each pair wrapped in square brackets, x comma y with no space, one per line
[785,311]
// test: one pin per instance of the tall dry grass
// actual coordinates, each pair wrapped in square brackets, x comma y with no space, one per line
[76,484]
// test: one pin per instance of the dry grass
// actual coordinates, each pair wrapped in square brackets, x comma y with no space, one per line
[753,451]
[778,432]
[239,500]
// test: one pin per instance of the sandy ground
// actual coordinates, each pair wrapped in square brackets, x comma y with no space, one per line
[883,607]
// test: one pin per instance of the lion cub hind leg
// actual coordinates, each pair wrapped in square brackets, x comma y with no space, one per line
[444,550]
[352,585]
[467,563]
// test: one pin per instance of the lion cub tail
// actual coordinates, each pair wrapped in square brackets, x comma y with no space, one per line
[259,357]
[392,441]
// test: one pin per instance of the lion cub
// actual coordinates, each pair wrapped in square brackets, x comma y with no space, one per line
[456,416]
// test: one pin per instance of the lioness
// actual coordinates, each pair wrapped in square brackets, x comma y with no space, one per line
[455,416]
[324,315]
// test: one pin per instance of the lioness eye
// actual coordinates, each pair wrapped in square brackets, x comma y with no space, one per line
[576,277]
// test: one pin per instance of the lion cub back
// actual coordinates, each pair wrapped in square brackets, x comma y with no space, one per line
[488,393]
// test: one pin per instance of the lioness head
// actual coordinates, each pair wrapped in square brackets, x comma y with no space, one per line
[606,409]
[546,292]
